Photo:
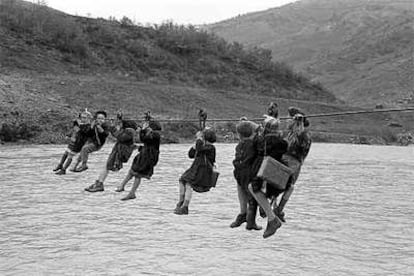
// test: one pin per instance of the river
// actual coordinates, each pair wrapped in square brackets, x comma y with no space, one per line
[352,213]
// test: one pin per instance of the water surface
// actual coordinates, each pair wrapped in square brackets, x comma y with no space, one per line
[352,213]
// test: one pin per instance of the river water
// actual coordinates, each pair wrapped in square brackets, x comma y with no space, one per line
[352,213]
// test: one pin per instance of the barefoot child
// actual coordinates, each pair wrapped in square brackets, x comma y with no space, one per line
[146,159]
[246,152]
[79,137]
[198,176]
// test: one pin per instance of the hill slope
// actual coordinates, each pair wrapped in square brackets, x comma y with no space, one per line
[52,65]
[361,50]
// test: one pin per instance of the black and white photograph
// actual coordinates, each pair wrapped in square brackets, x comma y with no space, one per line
[207,137]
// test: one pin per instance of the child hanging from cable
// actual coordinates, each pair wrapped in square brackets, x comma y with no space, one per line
[124,132]
[246,154]
[275,146]
[199,176]
[79,136]
[146,159]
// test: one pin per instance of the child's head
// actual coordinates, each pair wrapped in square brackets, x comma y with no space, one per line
[246,129]
[154,125]
[100,117]
[209,135]
[85,117]
[128,124]
[271,125]
[298,116]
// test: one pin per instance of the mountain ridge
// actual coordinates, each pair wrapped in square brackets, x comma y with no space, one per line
[354,48]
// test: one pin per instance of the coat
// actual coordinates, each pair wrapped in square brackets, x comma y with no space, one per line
[147,157]
[200,173]
[122,150]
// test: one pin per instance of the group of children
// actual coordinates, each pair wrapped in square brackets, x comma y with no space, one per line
[256,141]
[88,135]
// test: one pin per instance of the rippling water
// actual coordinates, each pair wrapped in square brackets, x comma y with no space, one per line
[351,214]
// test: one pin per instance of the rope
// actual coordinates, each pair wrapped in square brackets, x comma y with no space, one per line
[320,115]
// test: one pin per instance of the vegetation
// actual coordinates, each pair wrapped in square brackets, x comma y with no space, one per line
[165,53]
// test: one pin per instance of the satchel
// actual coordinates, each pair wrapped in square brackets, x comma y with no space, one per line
[275,173]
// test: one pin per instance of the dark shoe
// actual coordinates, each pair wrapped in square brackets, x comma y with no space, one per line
[240,219]
[119,189]
[97,187]
[128,197]
[178,206]
[251,217]
[182,211]
[61,171]
[279,214]
[271,228]
[81,169]
[58,168]
[254,227]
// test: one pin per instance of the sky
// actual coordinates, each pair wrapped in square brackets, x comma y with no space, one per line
[156,11]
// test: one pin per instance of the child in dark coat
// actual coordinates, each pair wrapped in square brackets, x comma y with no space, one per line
[246,153]
[199,176]
[78,139]
[124,133]
[146,159]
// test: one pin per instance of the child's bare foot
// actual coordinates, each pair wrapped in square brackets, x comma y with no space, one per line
[129,196]
[119,189]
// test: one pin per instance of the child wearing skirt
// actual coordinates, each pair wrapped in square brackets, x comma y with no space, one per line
[199,176]
[124,133]
[146,159]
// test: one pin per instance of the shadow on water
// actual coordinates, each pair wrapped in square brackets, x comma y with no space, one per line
[351,214]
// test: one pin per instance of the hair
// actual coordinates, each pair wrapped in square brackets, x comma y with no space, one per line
[101,112]
[210,135]
[129,124]
[244,129]
[154,125]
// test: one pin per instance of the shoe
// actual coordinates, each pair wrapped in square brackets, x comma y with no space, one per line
[60,172]
[119,189]
[81,169]
[97,187]
[128,197]
[240,219]
[182,211]
[72,170]
[58,168]
[271,227]
[178,206]
[251,216]
[279,214]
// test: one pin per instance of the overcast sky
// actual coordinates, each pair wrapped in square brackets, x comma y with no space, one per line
[156,11]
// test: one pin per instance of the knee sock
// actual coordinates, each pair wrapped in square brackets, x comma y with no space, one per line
[63,159]
[67,164]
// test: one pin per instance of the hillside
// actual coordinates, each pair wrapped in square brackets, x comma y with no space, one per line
[52,65]
[361,50]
